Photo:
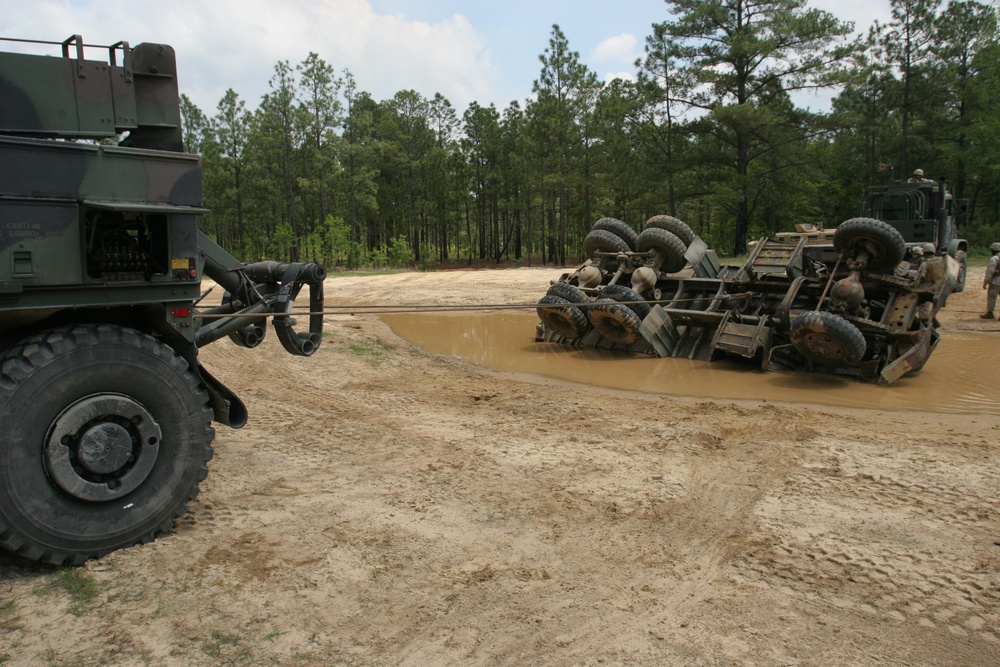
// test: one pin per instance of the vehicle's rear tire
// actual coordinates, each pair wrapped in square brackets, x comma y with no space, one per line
[619,229]
[571,293]
[827,339]
[601,240]
[962,260]
[882,241]
[676,227]
[615,321]
[622,293]
[562,316]
[666,244]
[104,437]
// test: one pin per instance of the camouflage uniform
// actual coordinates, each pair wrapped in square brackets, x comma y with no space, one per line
[991,282]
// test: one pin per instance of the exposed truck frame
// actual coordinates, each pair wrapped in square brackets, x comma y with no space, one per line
[105,409]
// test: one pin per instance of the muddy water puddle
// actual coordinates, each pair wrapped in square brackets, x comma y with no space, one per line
[955,379]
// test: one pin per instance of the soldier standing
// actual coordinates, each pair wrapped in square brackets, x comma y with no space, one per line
[991,281]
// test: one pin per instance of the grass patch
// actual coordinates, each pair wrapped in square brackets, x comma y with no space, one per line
[371,351]
[214,646]
[81,587]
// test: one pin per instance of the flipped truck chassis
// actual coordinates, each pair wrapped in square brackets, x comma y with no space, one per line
[105,408]
[840,302]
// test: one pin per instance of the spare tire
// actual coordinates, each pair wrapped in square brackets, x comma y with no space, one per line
[562,316]
[674,226]
[666,244]
[615,321]
[827,339]
[619,229]
[622,293]
[883,243]
[601,240]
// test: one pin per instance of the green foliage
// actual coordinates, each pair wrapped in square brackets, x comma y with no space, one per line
[399,253]
[711,130]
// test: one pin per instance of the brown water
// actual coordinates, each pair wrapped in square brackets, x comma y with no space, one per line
[956,379]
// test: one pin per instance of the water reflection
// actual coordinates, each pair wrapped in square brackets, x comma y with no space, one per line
[953,380]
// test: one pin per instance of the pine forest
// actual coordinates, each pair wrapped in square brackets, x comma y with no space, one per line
[708,130]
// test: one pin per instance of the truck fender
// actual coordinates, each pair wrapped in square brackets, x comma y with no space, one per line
[957,244]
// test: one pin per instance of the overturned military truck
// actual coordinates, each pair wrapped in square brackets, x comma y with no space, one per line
[105,408]
[837,301]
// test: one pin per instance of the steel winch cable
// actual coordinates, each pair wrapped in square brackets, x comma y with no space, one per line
[399,309]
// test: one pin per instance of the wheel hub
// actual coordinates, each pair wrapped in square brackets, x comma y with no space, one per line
[102,447]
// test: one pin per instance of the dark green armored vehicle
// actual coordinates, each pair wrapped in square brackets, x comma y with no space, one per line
[105,410]
[925,213]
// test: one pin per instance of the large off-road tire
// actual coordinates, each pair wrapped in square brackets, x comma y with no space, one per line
[104,437]
[884,244]
[666,244]
[562,317]
[827,339]
[614,321]
[676,227]
[962,260]
[619,229]
[601,240]
[571,293]
[622,293]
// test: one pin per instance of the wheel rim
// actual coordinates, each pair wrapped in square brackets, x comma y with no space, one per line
[823,346]
[102,447]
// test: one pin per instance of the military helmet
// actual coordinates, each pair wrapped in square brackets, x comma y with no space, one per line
[929,248]
[995,247]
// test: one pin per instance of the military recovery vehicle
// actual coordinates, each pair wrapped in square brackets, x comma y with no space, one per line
[838,301]
[925,213]
[105,409]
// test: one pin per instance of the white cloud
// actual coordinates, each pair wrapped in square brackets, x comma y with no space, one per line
[620,48]
[624,76]
[236,43]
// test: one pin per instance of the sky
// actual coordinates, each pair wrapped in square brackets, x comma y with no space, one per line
[485,51]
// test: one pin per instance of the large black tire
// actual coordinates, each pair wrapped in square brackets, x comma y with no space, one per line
[666,244]
[619,229]
[884,244]
[676,227]
[622,293]
[614,321]
[104,437]
[827,339]
[604,241]
[562,317]
[571,293]
[962,270]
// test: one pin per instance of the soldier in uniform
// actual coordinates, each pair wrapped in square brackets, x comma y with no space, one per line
[991,281]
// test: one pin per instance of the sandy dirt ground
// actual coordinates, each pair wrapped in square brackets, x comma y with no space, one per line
[385,506]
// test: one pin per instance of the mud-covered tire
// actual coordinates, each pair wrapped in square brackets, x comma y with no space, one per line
[666,244]
[676,227]
[571,293]
[622,293]
[601,240]
[104,437]
[619,229]
[827,339]
[615,321]
[561,316]
[885,245]
[962,260]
